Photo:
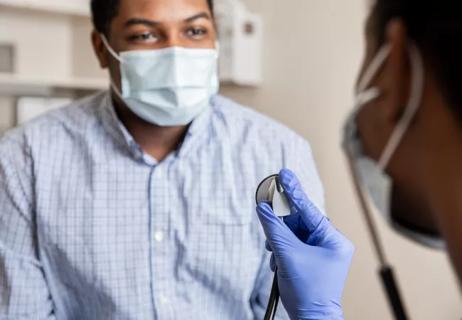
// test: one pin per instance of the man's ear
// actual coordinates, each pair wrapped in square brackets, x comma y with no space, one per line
[100,49]
[399,69]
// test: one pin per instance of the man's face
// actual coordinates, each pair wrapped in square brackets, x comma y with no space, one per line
[156,24]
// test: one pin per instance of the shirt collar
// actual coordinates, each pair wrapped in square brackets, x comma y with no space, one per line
[197,132]
[111,122]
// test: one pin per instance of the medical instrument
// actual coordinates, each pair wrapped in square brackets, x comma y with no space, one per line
[311,255]
[271,191]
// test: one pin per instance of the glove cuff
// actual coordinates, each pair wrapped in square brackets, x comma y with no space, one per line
[319,315]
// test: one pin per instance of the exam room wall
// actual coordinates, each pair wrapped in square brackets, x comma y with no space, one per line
[312,52]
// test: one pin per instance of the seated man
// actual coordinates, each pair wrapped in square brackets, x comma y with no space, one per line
[138,203]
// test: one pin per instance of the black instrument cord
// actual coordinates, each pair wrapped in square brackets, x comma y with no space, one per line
[273,302]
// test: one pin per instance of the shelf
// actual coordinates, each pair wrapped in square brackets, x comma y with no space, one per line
[67,7]
[11,84]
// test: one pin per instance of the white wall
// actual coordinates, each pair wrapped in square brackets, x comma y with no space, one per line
[313,49]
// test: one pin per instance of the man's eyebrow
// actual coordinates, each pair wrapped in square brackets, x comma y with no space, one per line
[153,23]
[202,15]
[145,22]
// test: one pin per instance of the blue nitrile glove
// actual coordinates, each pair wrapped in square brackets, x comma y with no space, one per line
[312,257]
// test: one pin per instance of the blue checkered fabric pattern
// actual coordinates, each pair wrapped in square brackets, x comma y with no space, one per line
[91,227]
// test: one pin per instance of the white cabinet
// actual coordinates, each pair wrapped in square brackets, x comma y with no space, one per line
[52,49]
[72,7]
[29,108]
[241,36]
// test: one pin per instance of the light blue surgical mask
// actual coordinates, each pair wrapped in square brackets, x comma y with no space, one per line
[167,87]
[373,183]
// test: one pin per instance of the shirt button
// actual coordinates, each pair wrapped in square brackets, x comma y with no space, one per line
[159,236]
[163,299]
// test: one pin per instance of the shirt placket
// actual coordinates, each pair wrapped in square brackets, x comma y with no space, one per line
[161,244]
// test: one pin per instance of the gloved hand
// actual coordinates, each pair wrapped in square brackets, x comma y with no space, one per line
[312,257]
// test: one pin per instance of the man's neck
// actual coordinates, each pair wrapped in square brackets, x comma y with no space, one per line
[155,140]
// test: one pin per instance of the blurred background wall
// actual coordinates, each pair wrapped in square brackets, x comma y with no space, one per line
[312,52]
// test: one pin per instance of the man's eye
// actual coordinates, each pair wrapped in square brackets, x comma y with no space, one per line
[147,37]
[196,33]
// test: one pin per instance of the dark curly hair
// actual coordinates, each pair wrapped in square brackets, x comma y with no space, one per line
[436,28]
[103,11]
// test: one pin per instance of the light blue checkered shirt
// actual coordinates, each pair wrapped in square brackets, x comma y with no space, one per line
[91,227]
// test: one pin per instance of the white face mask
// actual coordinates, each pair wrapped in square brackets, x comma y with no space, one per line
[372,180]
[167,87]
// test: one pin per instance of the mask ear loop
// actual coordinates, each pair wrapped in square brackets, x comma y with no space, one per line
[374,67]
[117,57]
[367,96]
[109,48]
[418,79]
[363,95]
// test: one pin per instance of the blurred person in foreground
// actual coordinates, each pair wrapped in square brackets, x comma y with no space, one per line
[404,144]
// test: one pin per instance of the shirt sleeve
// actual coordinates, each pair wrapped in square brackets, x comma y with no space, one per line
[23,290]
[299,158]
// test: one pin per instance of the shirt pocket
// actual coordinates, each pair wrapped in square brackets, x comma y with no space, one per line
[219,252]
